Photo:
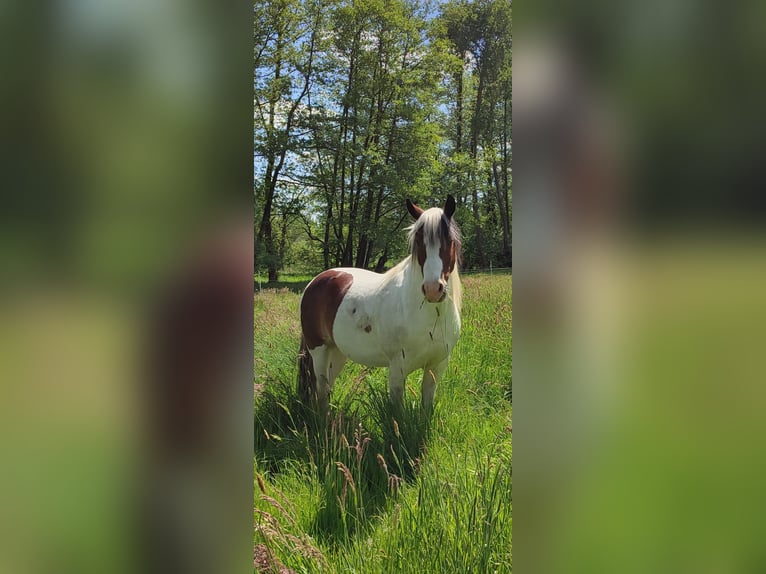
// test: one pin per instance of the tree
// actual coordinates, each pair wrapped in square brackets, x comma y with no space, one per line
[479,33]
[362,103]
[372,130]
[285,43]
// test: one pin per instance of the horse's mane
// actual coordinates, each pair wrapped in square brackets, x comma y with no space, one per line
[457,290]
[391,273]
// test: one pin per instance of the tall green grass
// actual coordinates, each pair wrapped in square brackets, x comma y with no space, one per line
[378,489]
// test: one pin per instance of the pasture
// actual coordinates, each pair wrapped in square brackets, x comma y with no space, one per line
[375,490]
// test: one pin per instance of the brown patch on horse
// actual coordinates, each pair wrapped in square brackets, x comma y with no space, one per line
[448,249]
[419,247]
[320,303]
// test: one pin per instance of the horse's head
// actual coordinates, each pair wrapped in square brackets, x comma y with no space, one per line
[435,246]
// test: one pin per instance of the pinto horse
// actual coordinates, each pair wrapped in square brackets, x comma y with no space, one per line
[405,319]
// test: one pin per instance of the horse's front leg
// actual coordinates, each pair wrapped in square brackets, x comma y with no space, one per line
[431,376]
[396,378]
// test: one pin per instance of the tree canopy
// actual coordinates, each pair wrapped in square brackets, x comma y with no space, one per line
[359,104]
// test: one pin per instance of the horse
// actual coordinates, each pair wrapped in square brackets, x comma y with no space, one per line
[405,319]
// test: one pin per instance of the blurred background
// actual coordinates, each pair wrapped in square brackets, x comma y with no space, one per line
[126,277]
[640,282]
[125,286]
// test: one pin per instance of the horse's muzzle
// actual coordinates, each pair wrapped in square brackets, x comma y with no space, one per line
[434,291]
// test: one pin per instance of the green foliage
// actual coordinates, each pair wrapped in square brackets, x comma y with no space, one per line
[377,489]
[389,102]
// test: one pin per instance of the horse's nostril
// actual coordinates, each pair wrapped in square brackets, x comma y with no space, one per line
[441,287]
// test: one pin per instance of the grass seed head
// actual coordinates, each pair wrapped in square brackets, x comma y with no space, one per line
[349,480]
[394,482]
[382,462]
[261,485]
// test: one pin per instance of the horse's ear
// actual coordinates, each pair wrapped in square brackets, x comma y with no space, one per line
[449,207]
[414,210]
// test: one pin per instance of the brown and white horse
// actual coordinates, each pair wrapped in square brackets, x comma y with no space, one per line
[405,319]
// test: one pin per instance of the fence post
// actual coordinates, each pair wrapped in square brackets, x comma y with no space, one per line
[490,267]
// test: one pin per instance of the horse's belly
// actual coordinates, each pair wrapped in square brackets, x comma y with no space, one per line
[357,333]
[377,342]
[357,340]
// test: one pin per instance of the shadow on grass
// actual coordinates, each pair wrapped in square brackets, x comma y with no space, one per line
[361,454]
[292,286]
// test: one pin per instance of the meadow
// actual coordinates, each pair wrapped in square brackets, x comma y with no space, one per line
[376,490]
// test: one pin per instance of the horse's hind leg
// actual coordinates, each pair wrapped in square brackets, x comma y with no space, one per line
[336,362]
[328,361]
[320,356]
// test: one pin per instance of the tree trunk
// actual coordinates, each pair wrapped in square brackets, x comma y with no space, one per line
[381,264]
[506,170]
[381,196]
[503,209]
[475,120]
[365,245]
[459,126]
[475,141]
[265,233]
[326,246]
[459,110]
[341,257]
[266,236]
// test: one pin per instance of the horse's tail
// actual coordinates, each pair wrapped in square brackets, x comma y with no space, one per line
[307,380]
